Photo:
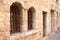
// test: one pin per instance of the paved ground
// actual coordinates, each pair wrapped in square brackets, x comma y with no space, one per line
[54,37]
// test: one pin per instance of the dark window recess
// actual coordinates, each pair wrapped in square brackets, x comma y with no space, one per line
[52,20]
[44,23]
[57,1]
[15,17]
[31,12]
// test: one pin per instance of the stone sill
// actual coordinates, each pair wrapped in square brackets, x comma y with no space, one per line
[19,35]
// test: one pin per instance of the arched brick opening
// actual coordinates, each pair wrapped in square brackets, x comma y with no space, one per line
[15,17]
[31,15]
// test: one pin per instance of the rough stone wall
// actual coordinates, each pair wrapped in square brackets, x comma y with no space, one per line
[4,21]
[39,5]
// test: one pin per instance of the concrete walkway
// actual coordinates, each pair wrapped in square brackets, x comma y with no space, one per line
[54,37]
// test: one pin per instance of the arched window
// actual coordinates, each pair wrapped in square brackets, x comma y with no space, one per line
[31,13]
[15,17]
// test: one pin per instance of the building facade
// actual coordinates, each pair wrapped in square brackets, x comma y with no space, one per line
[29,19]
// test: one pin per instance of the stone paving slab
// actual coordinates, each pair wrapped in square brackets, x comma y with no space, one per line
[54,37]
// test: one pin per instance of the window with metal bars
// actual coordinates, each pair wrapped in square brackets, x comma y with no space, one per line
[15,17]
[31,13]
